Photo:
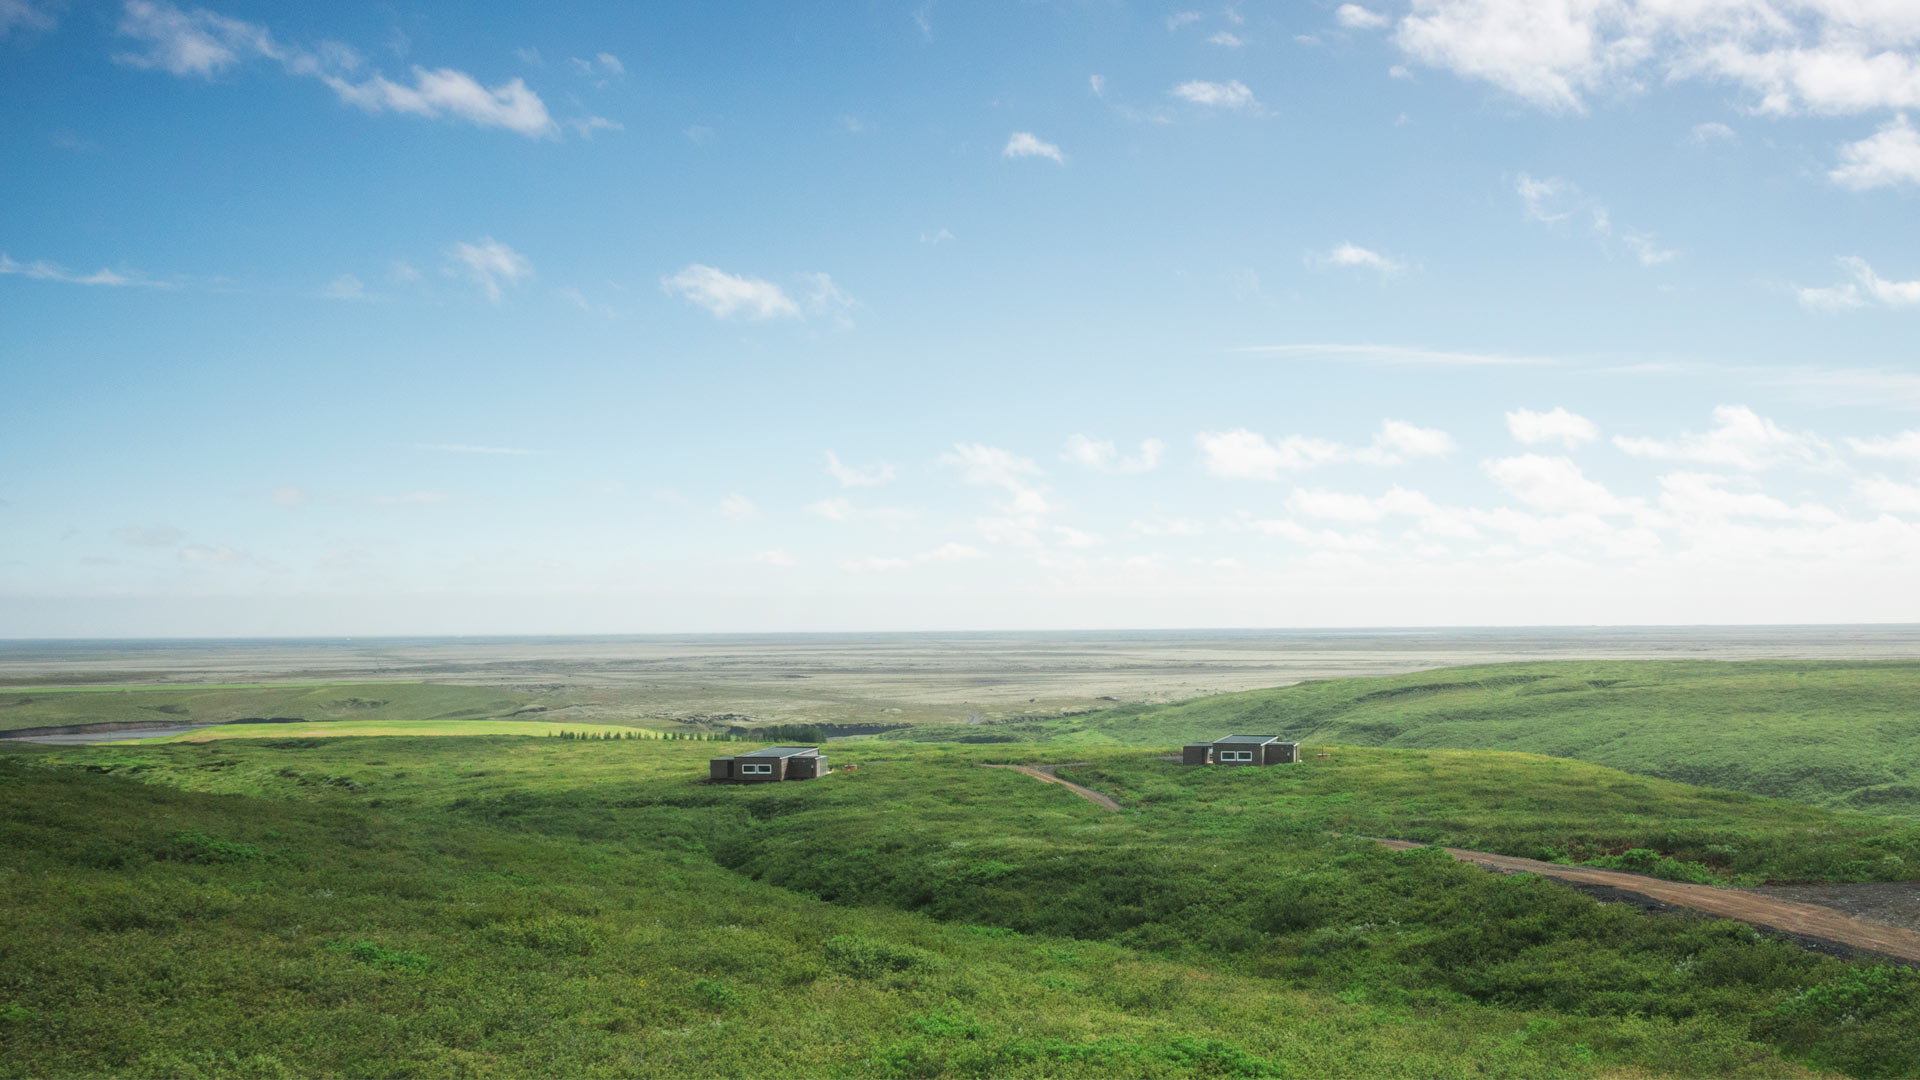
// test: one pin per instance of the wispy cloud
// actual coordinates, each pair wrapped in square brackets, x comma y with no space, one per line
[1865,288]
[858,475]
[737,507]
[489,264]
[46,271]
[23,15]
[1357,257]
[1355,17]
[413,498]
[1555,201]
[1232,94]
[202,43]
[1557,425]
[1103,455]
[1740,438]
[726,295]
[1024,144]
[1888,158]
[1244,454]
[155,536]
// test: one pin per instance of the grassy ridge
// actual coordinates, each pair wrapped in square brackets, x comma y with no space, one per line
[437,906]
[1830,734]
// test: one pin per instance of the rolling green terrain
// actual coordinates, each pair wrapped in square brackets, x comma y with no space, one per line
[503,906]
[1841,734]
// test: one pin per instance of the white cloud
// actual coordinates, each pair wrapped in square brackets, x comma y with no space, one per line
[1888,158]
[1902,447]
[774,557]
[1646,249]
[1353,255]
[1102,454]
[585,126]
[1703,495]
[1098,84]
[1556,485]
[291,496]
[489,264]
[846,510]
[1711,132]
[1554,201]
[1740,439]
[1815,56]
[1182,18]
[1025,144]
[858,475]
[1245,454]
[1398,441]
[345,287]
[1232,94]
[204,43]
[1558,425]
[1355,17]
[737,507]
[826,299]
[22,14]
[1226,40]
[1889,496]
[949,552]
[1866,287]
[935,239]
[445,92]
[1075,538]
[727,295]
[990,466]
[205,555]
[1541,197]
[46,271]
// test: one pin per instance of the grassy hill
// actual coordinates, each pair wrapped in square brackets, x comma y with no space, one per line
[1830,734]
[410,906]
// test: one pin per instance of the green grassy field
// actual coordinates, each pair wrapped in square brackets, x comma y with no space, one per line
[367,728]
[1831,734]
[220,704]
[503,906]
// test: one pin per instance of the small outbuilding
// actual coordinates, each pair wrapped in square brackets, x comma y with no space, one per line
[1241,750]
[772,764]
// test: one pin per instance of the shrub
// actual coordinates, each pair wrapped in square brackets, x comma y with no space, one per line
[866,958]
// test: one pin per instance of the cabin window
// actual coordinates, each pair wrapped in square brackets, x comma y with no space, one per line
[757,770]
[1236,755]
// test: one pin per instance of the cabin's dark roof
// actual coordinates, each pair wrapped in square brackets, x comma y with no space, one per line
[783,751]
[1249,740]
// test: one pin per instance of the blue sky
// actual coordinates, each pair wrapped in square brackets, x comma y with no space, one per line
[637,318]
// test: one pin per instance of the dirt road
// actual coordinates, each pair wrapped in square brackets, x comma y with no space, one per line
[1787,916]
[1045,772]
[1805,920]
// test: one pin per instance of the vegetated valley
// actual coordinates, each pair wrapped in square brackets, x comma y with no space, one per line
[498,905]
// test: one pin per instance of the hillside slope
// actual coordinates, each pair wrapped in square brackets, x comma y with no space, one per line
[1829,734]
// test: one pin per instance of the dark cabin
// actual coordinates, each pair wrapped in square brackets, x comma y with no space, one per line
[1241,750]
[770,765]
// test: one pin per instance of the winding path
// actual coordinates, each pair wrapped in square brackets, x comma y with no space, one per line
[1045,772]
[1807,920]
[1786,916]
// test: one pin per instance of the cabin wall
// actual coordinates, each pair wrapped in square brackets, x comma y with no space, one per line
[1196,754]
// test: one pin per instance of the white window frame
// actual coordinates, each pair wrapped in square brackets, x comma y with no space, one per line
[1236,755]
[749,768]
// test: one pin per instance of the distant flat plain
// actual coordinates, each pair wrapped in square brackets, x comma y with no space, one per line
[902,677]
